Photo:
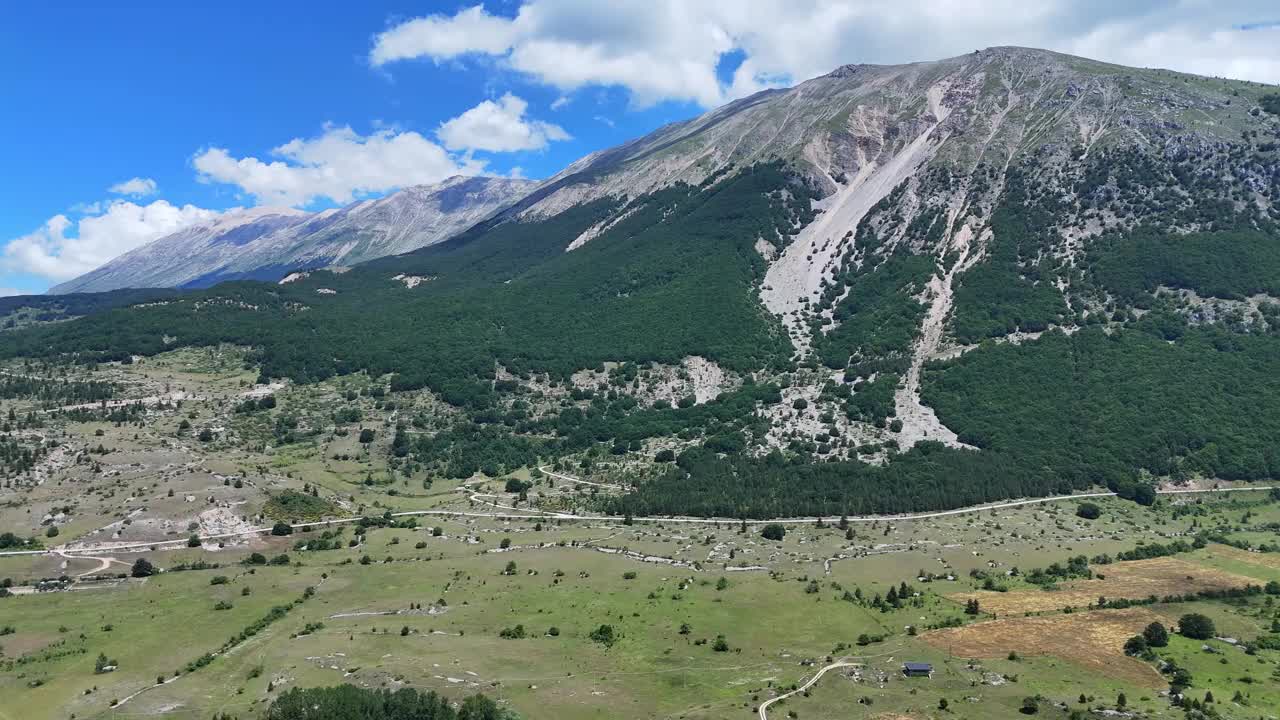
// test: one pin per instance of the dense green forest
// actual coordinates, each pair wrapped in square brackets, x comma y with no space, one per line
[45,308]
[1099,406]
[1225,264]
[507,293]
[1012,289]
[878,319]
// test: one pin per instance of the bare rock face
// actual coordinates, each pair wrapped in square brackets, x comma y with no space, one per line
[270,243]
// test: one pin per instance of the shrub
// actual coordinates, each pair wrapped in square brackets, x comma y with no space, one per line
[604,635]
[1088,511]
[773,531]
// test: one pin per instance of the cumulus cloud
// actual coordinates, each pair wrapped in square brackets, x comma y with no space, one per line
[338,165]
[674,50]
[62,249]
[136,187]
[498,127]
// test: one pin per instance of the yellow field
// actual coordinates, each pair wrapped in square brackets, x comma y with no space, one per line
[1094,640]
[1131,580]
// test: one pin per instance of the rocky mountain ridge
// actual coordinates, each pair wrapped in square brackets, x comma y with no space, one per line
[267,243]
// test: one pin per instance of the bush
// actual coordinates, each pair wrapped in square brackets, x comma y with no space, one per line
[282,528]
[1135,645]
[1088,511]
[366,436]
[773,531]
[604,635]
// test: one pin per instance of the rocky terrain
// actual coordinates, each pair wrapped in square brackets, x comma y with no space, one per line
[267,243]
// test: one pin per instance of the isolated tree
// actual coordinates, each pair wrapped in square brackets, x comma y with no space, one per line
[1156,635]
[773,531]
[205,435]
[971,607]
[1030,706]
[142,568]
[193,541]
[282,528]
[1121,700]
[366,436]
[1196,626]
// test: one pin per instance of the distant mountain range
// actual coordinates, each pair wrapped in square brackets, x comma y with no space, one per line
[266,243]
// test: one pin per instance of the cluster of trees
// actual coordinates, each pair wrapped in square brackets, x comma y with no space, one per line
[251,405]
[297,506]
[18,455]
[348,702]
[54,390]
[47,308]
[494,447]
[879,318]
[11,541]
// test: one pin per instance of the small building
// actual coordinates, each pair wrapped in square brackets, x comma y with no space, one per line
[915,669]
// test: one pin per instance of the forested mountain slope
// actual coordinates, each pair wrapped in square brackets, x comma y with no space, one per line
[1008,273]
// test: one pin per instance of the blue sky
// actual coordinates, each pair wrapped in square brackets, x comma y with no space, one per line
[216,105]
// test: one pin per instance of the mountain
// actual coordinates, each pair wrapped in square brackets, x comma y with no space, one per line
[267,243]
[1009,273]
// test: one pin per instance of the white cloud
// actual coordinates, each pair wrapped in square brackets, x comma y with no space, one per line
[498,127]
[62,249]
[672,49]
[339,165]
[136,187]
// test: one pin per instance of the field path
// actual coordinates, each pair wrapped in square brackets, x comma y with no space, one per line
[764,706]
